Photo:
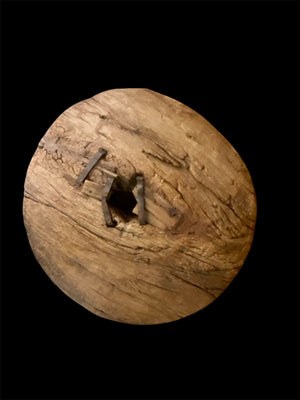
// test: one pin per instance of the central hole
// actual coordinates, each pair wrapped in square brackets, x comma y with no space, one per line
[123,202]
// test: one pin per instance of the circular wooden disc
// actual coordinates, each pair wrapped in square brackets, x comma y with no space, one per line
[199,198]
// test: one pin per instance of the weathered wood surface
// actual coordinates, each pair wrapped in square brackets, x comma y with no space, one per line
[199,197]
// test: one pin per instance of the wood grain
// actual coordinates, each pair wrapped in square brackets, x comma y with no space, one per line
[199,199]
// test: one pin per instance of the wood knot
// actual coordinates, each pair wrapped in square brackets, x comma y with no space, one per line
[173,211]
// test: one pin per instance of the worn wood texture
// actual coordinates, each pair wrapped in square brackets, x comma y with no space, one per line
[199,197]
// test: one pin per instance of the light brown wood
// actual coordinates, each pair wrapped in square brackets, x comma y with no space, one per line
[92,189]
[199,198]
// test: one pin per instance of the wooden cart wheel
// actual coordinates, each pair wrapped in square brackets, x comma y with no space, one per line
[138,208]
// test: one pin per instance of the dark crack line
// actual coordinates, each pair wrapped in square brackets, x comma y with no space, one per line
[154,285]
[193,284]
[136,299]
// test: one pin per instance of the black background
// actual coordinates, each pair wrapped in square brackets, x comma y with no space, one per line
[237,65]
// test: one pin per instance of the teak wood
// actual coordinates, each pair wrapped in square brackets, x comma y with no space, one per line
[199,200]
